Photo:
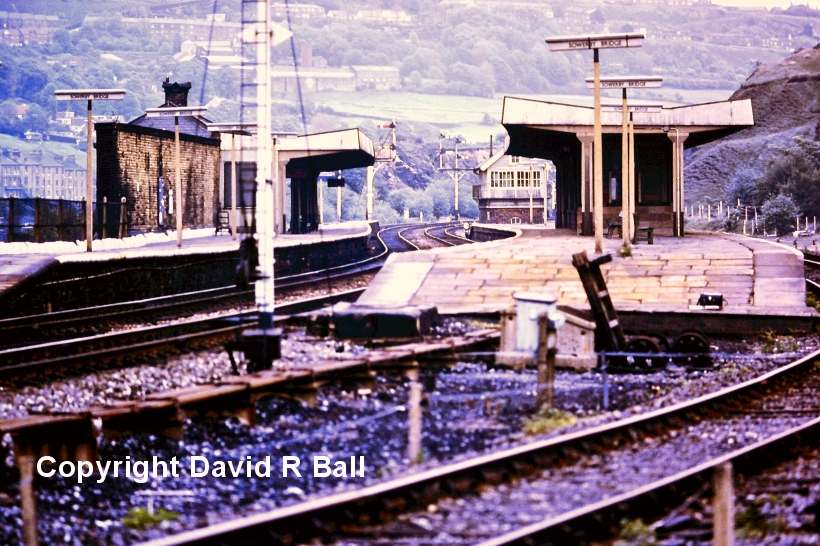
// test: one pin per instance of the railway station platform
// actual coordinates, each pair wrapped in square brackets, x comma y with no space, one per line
[754,276]
[23,264]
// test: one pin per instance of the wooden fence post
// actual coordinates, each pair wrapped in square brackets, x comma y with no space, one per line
[10,235]
[25,464]
[123,218]
[85,218]
[60,219]
[36,219]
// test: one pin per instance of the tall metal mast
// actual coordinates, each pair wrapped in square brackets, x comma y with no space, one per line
[262,345]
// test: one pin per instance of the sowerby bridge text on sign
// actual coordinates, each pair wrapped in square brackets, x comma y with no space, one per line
[570,43]
[90,94]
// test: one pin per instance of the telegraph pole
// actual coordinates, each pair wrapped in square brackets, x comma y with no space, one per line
[385,153]
[456,172]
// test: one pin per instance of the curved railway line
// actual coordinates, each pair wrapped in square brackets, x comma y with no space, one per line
[363,516]
[84,322]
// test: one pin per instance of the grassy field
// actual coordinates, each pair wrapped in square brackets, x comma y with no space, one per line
[460,115]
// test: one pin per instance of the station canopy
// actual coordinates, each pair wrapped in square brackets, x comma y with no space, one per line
[331,151]
[535,127]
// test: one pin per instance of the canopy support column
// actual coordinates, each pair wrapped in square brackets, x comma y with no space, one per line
[585,227]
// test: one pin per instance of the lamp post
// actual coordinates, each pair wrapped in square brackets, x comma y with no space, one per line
[596,42]
[233,129]
[89,95]
[627,195]
[176,112]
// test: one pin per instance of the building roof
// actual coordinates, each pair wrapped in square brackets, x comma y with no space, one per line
[331,151]
[703,122]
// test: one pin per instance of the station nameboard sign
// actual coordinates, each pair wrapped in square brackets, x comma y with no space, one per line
[175,111]
[629,82]
[233,128]
[595,41]
[90,94]
[640,108]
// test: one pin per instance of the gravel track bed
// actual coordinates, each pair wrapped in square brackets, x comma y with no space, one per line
[468,409]
[504,508]
[418,238]
[218,308]
[779,507]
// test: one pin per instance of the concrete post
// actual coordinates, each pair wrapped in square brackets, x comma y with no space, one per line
[25,464]
[723,506]
[545,360]
[414,417]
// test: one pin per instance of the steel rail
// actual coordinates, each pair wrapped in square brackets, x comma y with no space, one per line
[437,238]
[464,240]
[328,516]
[404,239]
[29,325]
[136,340]
[596,521]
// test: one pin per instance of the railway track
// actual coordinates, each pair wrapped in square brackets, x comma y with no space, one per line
[389,512]
[91,321]
[100,349]
[444,235]
[812,275]
[432,236]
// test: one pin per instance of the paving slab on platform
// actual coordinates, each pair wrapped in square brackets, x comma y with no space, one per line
[753,275]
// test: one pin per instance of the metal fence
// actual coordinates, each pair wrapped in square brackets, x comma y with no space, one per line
[38,220]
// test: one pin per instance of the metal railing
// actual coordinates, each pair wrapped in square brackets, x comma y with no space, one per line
[38,220]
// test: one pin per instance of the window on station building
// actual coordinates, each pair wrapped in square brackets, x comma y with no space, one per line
[502,179]
[528,179]
[515,159]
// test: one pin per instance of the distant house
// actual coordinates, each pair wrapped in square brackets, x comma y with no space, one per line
[187,29]
[579,16]
[384,16]
[283,79]
[40,173]
[377,77]
[280,11]
[512,190]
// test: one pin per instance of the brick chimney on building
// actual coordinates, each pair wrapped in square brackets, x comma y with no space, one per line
[176,94]
[307,56]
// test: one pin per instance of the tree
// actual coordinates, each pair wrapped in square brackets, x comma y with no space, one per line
[416,80]
[779,214]
[63,39]
[742,185]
